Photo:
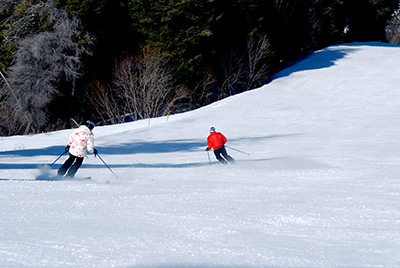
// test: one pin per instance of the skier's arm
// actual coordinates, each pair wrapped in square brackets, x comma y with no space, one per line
[70,141]
[224,138]
[90,143]
[71,138]
[209,144]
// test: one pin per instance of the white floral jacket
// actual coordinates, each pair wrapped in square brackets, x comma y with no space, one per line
[81,141]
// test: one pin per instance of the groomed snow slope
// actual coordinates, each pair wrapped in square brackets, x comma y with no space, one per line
[320,187]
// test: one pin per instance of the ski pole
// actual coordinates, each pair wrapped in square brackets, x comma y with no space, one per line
[209,160]
[58,158]
[106,165]
[237,150]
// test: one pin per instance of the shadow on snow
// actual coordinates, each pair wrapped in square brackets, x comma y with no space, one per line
[134,165]
[138,147]
[135,147]
[324,58]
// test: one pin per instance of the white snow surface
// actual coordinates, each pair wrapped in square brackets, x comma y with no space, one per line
[320,188]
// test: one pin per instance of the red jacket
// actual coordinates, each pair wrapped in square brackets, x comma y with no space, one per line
[215,140]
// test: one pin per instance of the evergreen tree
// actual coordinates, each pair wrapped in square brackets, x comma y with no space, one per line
[181,27]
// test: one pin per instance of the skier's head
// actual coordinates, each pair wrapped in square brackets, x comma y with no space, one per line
[90,124]
[212,129]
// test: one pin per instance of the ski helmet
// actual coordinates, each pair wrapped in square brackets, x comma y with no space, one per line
[212,129]
[90,124]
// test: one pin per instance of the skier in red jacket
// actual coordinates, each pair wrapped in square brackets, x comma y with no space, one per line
[217,141]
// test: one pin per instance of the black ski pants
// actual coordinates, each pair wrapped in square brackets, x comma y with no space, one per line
[222,151]
[73,161]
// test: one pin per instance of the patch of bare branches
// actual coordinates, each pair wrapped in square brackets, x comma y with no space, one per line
[48,43]
[142,87]
[393,28]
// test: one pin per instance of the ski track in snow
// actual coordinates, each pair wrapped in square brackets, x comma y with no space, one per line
[319,189]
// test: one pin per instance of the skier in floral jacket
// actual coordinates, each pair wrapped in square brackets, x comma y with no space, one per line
[217,141]
[80,141]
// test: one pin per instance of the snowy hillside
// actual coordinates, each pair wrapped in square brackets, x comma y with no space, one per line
[320,187]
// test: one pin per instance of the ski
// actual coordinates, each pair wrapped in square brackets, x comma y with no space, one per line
[82,178]
[58,178]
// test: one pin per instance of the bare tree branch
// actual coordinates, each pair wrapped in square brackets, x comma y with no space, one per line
[50,42]
[393,28]
[256,51]
[141,88]
[232,71]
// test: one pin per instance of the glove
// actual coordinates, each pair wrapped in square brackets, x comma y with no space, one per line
[207,149]
[67,148]
[95,152]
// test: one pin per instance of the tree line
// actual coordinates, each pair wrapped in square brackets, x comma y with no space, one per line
[62,61]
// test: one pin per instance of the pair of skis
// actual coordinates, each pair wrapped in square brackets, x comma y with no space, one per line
[95,156]
[208,154]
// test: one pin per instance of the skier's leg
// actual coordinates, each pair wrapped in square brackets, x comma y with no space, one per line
[63,169]
[227,156]
[219,157]
[75,167]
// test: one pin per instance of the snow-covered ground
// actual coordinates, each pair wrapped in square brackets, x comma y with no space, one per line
[320,188]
